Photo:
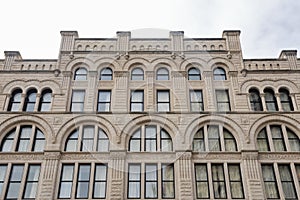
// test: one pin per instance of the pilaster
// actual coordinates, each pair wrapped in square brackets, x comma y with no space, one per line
[184,166]
[121,90]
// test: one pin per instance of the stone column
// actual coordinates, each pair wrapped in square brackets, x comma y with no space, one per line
[117,183]
[150,104]
[263,101]
[254,186]
[184,178]
[49,176]
[121,92]
[180,103]
[277,95]
[91,90]
[207,75]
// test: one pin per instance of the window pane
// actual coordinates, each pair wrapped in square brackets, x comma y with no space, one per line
[65,190]
[151,181]
[72,142]
[287,182]
[168,190]
[262,141]
[236,185]
[201,181]
[293,140]
[134,190]
[137,101]
[223,103]
[106,74]
[2,176]
[8,142]
[194,74]
[66,181]
[277,137]
[32,181]
[78,101]
[99,190]
[15,181]
[134,181]
[162,74]
[269,181]
[101,171]
[137,74]
[104,99]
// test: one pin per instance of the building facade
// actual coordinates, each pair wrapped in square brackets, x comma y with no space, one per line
[144,118]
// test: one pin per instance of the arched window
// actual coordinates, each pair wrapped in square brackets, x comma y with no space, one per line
[285,100]
[194,74]
[45,100]
[15,100]
[217,137]
[88,138]
[106,74]
[30,100]
[277,138]
[219,74]
[270,99]
[150,138]
[28,138]
[80,74]
[137,74]
[162,74]
[255,100]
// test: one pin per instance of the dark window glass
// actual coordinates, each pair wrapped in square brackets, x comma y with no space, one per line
[235,179]
[285,100]
[106,74]
[229,141]
[198,142]
[202,188]
[218,179]
[45,101]
[194,74]
[30,100]
[277,137]
[262,141]
[15,100]
[287,181]
[270,99]
[104,99]
[269,181]
[223,103]
[80,74]
[168,182]
[219,74]
[255,100]
[294,141]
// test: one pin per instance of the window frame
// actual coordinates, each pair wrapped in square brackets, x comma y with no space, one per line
[44,102]
[106,102]
[255,104]
[222,101]
[195,76]
[13,102]
[197,101]
[29,104]
[141,102]
[82,76]
[104,75]
[219,74]
[137,76]
[163,102]
[162,74]
[81,103]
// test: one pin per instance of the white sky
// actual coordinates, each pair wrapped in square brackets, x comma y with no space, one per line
[33,26]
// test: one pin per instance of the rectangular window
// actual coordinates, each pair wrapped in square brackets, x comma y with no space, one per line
[14,183]
[168,183]
[104,99]
[196,100]
[83,181]
[77,102]
[235,179]
[223,103]
[163,101]
[218,179]
[100,181]
[134,181]
[287,182]
[2,177]
[87,143]
[202,189]
[150,181]
[66,181]
[24,140]
[277,138]
[213,138]
[32,180]
[269,181]
[150,138]
[137,101]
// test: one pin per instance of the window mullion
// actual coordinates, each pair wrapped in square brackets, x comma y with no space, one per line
[91,182]
[23,180]
[74,182]
[295,178]
[285,138]
[158,138]
[32,138]
[210,181]
[221,137]
[142,139]
[17,138]
[96,135]
[278,180]
[206,138]
[79,141]
[227,184]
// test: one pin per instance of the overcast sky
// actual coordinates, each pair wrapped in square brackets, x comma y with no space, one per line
[33,26]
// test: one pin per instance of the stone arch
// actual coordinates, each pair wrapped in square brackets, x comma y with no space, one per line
[128,65]
[87,62]
[233,127]
[261,122]
[170,64]
[222,62]
[130,127]
[42,124]
[186,63]
[70,125]
[274,84]
[103,62]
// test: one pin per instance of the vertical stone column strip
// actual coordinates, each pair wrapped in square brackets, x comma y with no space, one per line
[277,95]
[184,167]
[68,40]
[232,40]
[117,168]
[177,41]
[121,90]
[123,38]
[291,57]
[210,102]
[150,102]
[49,179]
[10,57]
[91,91]
[179,93]
[254,185]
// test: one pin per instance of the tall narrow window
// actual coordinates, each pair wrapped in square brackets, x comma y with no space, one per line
[285,100]
[2,177]
[218,179]
[15,100]
[14,183]
[137,74]
[229,141]
[104,99]
[287,181]
[214,143]
[162,74]
[100,181]
[32,180]
[45,100]
[137,101]
[165,141]
[223,102]
[80,74]
[202,189]
[293,140]
[106,74]
[72,142]
[235,179]
[66,181]
[103,141]
[277,137]
[219,74]
[163,101]
[151,181]
[30,100]
[77,104]
[134,181]
[168,183]
[150,138]
[24,138]
[87,143]
[270,99]
[262,141]
[39,141]
[269,181]
[196,100]
[8,141]
[198,142]
[135,141]
[83,181]
[194,74]
[255,100]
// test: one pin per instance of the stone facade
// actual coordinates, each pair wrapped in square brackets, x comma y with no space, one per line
[178,55]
